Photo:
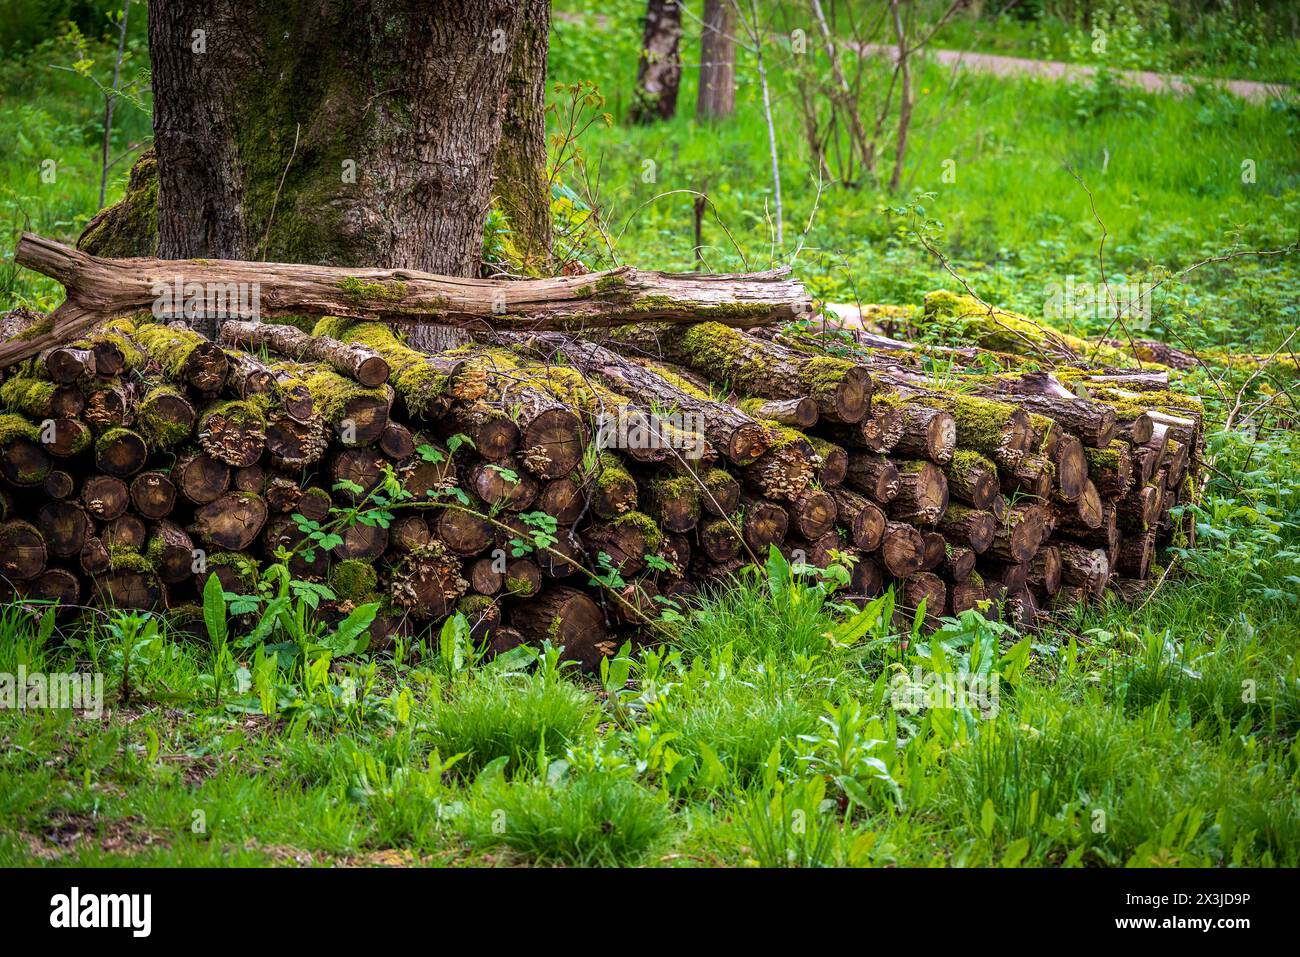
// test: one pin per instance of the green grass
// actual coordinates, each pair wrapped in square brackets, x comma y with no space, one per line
[763,732]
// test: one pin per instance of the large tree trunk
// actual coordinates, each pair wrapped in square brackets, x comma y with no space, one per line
[355,134]
[717,93]
[659,71]
[520,185]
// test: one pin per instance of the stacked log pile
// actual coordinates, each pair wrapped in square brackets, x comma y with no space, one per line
[564,487]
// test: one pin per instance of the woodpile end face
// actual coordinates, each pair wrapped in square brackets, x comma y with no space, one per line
[568,488]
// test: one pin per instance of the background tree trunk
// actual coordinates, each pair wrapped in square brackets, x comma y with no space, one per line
[717,92]
[659,71]
[520,184]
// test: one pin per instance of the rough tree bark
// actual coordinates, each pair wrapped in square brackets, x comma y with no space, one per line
[520,185]
[659,70]
[716,98]
[359,134]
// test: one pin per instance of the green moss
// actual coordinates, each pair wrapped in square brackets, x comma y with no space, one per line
[475,607]
[518,586]
[353,580]
[129,227]
[1130,404]
[574,389]
[247,413]
[1004,331]
[716,479]
[40,327]
[118,332]
[363,292]
[981,423]
[125,558]
[170,348]
[331,392]
[821,375]
[157,431]
[967,462]
[643,523]
[28,395]
[13,427]
[106,441]
[609,472]
[1107,459]
[677,381]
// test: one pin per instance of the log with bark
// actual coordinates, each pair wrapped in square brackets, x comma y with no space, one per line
[100,289]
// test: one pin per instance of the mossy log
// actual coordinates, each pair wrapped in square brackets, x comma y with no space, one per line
[234,432]
[120,452]
[1033,476]
[628,541]
[785,470]
[1093,422]
[968,526]
[740,438]
[673,503]
[834,466]
[171,550]
[109,404]
[720,493]
[184,356]
[972,479]
[841,389]
[798,413]
[611,489]
[352,359]
[164,417]
[720,539]
[100,288]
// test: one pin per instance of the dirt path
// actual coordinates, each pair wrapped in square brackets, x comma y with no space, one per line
[1054,69]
